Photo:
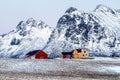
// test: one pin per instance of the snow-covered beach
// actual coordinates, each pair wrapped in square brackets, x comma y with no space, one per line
[60,69]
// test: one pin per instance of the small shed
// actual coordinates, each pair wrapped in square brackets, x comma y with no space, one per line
[66,55]
[37,54]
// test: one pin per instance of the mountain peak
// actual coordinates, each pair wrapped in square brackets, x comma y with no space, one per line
[20,25]
[30,20]
[103,8]
[70,10]
[101,5]
[29,23]
[23,24]
[118,10]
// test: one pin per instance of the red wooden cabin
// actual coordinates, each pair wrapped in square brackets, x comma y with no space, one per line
[37,54]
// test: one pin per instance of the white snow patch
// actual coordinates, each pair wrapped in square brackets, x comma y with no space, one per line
[114,69]
[106,58]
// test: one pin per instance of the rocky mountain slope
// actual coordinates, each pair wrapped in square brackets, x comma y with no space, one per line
[29,35]
[99,31]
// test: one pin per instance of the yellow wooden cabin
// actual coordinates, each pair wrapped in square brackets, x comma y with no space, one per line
[80,53]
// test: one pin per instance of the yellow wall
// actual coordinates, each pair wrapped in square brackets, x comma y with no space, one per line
[83,54]
[76,54]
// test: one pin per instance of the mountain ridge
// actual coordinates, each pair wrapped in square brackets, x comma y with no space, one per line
[97,31]
[29,35]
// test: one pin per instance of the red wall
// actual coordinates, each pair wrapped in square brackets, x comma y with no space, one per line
[41,55]
[66,56]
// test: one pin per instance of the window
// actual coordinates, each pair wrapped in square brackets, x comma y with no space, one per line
[84,51]
[83,55]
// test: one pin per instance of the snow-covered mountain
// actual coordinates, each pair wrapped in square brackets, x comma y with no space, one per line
[99,31]
[29,35]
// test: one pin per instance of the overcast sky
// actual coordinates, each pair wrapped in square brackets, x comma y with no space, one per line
[49,11]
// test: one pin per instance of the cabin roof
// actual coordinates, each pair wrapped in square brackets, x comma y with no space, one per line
[79,50]
[31,53]
[67,53]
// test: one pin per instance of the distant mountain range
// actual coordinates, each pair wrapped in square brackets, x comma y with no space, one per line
[99,31]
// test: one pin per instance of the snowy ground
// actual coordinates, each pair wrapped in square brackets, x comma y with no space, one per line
[60,69]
